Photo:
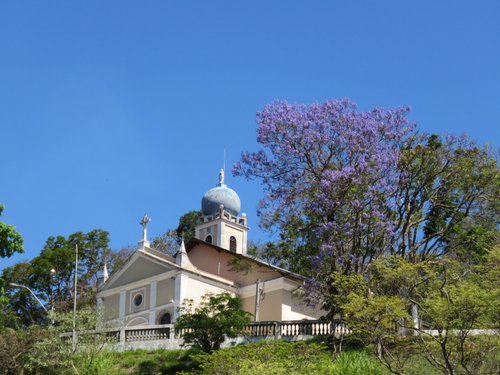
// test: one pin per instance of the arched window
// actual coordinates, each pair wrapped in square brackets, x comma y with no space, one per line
[208,239]
[166,319]
[232,243]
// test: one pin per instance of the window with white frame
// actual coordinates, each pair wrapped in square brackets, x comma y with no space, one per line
[137,299]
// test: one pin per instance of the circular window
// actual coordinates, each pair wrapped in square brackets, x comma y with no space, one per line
[138,300]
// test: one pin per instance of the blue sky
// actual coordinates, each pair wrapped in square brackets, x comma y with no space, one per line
[113,109]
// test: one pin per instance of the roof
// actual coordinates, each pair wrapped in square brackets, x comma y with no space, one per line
[195,241]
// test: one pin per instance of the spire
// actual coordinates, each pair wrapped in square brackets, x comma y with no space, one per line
[182,249]
[105,274]
[182,259]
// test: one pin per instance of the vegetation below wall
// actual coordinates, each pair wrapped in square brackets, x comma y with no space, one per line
[267,357]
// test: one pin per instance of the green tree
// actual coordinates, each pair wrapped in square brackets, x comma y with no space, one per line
[207,325]
[169,241]
[447,189]
[20,303]
[10,240]
[55,289]
[58,254]
[452,299]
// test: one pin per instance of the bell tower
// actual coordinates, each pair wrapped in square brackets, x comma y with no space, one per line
[221,224]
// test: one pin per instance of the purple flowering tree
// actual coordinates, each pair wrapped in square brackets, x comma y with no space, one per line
[328,172]
[344,186]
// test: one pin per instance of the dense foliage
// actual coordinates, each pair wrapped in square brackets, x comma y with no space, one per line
[169,241]
[452,299]
[280,357]
[50,276]
[49,351]
[10,240]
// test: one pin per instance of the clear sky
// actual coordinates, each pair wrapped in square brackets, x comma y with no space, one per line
[113,109]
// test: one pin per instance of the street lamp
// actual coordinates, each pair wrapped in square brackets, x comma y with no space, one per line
[33,294]
[52,299]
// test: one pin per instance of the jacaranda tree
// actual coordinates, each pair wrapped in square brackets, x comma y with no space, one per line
[344,186]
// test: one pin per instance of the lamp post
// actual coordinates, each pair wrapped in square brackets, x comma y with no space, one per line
[74,298]
[33,294]
[52,299]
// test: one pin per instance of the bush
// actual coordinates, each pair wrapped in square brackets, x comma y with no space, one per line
[281,357]
[267,357]
[15,348]
[207,325]
[356,362]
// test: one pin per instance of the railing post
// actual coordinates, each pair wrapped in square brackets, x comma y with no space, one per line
[171,334]
[122,338]
[277,330]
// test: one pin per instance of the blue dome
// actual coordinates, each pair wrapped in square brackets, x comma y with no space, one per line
[221,194]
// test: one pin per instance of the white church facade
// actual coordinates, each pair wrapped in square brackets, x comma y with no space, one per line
[151,285]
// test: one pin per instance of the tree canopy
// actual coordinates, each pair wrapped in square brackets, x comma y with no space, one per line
[344,187]
[10,240]
[50,276]
[169,241]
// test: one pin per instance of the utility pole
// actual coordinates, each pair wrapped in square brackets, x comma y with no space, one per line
[74,298]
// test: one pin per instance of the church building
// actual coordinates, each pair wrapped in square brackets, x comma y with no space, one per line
[151,285]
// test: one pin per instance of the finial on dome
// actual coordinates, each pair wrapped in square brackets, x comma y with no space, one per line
[221,177]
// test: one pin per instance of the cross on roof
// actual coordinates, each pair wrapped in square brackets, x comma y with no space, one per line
[144,222]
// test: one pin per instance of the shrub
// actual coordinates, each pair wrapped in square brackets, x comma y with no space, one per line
[206,326]
[269,357]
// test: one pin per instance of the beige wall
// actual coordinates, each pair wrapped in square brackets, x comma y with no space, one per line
[137,320]
[165,291]
[111,305]
[213,232]
[196,289]
[228,232]
[248,304]
[294,308]
[271,306]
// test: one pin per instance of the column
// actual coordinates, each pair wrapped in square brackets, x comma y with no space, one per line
[152,302]
[181,280]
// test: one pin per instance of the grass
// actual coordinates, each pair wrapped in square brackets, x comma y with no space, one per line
[266,357]
[143,362]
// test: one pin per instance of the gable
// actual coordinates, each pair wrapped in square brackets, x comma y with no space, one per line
[140,267]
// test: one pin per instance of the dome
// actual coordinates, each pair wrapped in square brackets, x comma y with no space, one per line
[221,194]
